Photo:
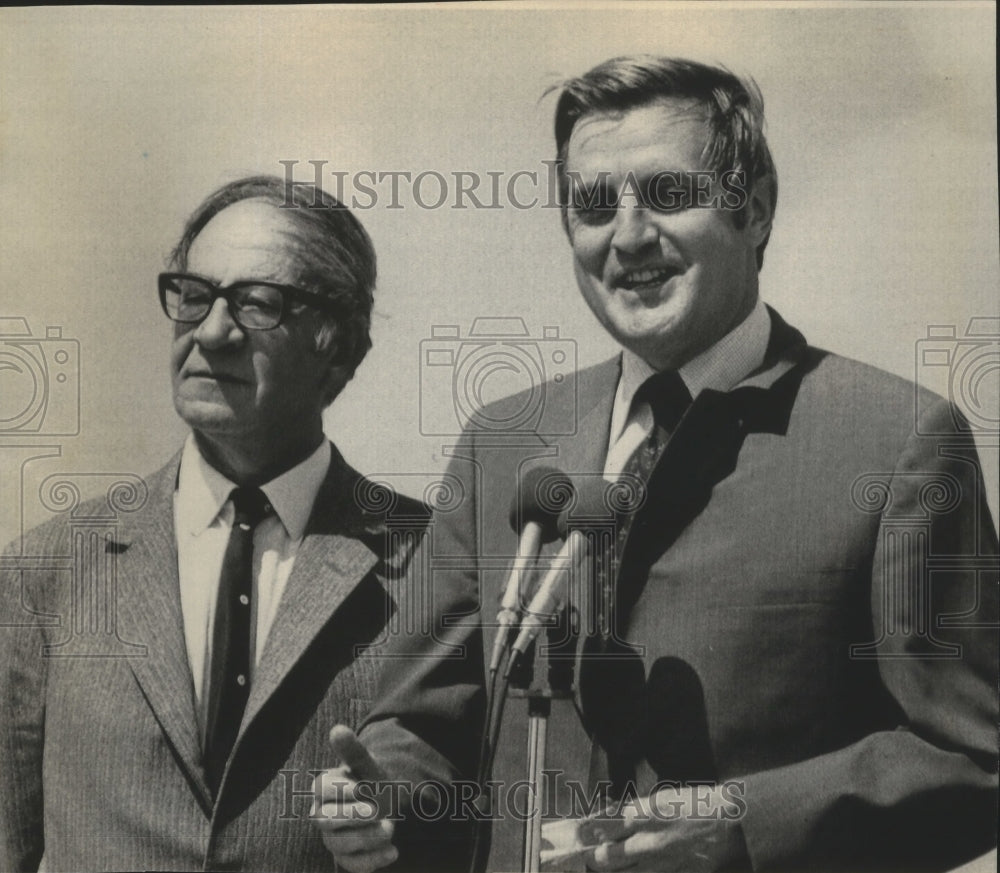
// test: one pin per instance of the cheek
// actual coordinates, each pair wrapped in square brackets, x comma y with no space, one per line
[180,347]
[589,285]
[285,371]
[716,239]
[590,248]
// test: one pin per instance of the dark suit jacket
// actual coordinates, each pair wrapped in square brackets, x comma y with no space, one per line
[811,612]
[100,759]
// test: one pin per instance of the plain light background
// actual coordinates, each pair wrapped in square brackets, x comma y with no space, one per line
[115,123]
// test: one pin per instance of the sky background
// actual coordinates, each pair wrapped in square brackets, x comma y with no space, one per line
[115,123]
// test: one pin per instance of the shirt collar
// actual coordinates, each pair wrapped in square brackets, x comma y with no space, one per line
[202,491]
[720,367]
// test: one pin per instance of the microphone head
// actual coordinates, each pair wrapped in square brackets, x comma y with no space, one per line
[542,494]
[594,505]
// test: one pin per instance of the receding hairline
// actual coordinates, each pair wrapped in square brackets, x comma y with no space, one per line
[281,218]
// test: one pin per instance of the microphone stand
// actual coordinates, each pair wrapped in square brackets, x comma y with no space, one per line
[559,686]
[539,709]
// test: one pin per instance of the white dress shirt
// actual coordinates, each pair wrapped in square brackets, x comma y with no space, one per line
[203,518]
[720,367]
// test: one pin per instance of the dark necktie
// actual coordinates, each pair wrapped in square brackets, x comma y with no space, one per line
[607,682]
[669,398]
[229,677]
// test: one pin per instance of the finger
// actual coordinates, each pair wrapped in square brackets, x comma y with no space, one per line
[368,862]
[609,856]
[353,754]
[652,812]
[604,828]
[354,840]
[649,850]
[636,818]
[334,785]
[557,860]
[347,816]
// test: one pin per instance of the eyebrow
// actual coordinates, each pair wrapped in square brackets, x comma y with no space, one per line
[636,184]
[255,280]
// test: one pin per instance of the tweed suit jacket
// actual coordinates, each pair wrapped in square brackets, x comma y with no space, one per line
[809,614]
[100,757]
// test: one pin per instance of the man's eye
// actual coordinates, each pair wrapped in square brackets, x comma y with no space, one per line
[261,299]
[598,197]
[594,216]
[593,205]
[194,296]
[668,197]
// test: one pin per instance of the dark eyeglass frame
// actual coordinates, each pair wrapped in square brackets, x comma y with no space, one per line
[229,292]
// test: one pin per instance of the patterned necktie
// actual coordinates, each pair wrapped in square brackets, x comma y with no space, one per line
[669,398]
[606,682]
[229,677]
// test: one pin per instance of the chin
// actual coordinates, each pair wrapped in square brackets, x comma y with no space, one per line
[662,349]
[208,417]
[658,332]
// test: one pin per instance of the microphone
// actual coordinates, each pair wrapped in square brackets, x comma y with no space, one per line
[542,494]
[592,507]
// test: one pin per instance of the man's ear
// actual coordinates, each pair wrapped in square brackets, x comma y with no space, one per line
[334,377]
[331,376]
[760,208]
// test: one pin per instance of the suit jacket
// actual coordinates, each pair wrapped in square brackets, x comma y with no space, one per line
[807,610]
[100,755]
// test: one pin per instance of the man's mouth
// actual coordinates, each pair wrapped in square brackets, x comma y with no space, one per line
[216,377]
[649,277]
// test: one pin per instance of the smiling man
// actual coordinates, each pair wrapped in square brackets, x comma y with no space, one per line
[788,657]
[251,589]
[666,276]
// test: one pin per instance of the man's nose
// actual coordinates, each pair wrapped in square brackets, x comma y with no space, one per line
[218,329]
[634,228]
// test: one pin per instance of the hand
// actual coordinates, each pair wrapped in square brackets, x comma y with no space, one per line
[688,830]
[351,825]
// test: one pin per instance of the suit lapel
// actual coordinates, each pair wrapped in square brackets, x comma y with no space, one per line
[705,447]
[332,559]
[702,451]
[584,451]
[150,614]
[583,455]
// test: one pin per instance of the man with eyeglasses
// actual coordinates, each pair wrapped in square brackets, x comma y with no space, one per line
[257,578]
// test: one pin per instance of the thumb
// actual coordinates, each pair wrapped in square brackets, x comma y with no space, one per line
[354,755]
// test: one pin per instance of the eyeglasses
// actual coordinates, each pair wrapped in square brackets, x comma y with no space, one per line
[253,305]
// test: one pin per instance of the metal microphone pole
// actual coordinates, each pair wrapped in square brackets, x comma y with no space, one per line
[557,684]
